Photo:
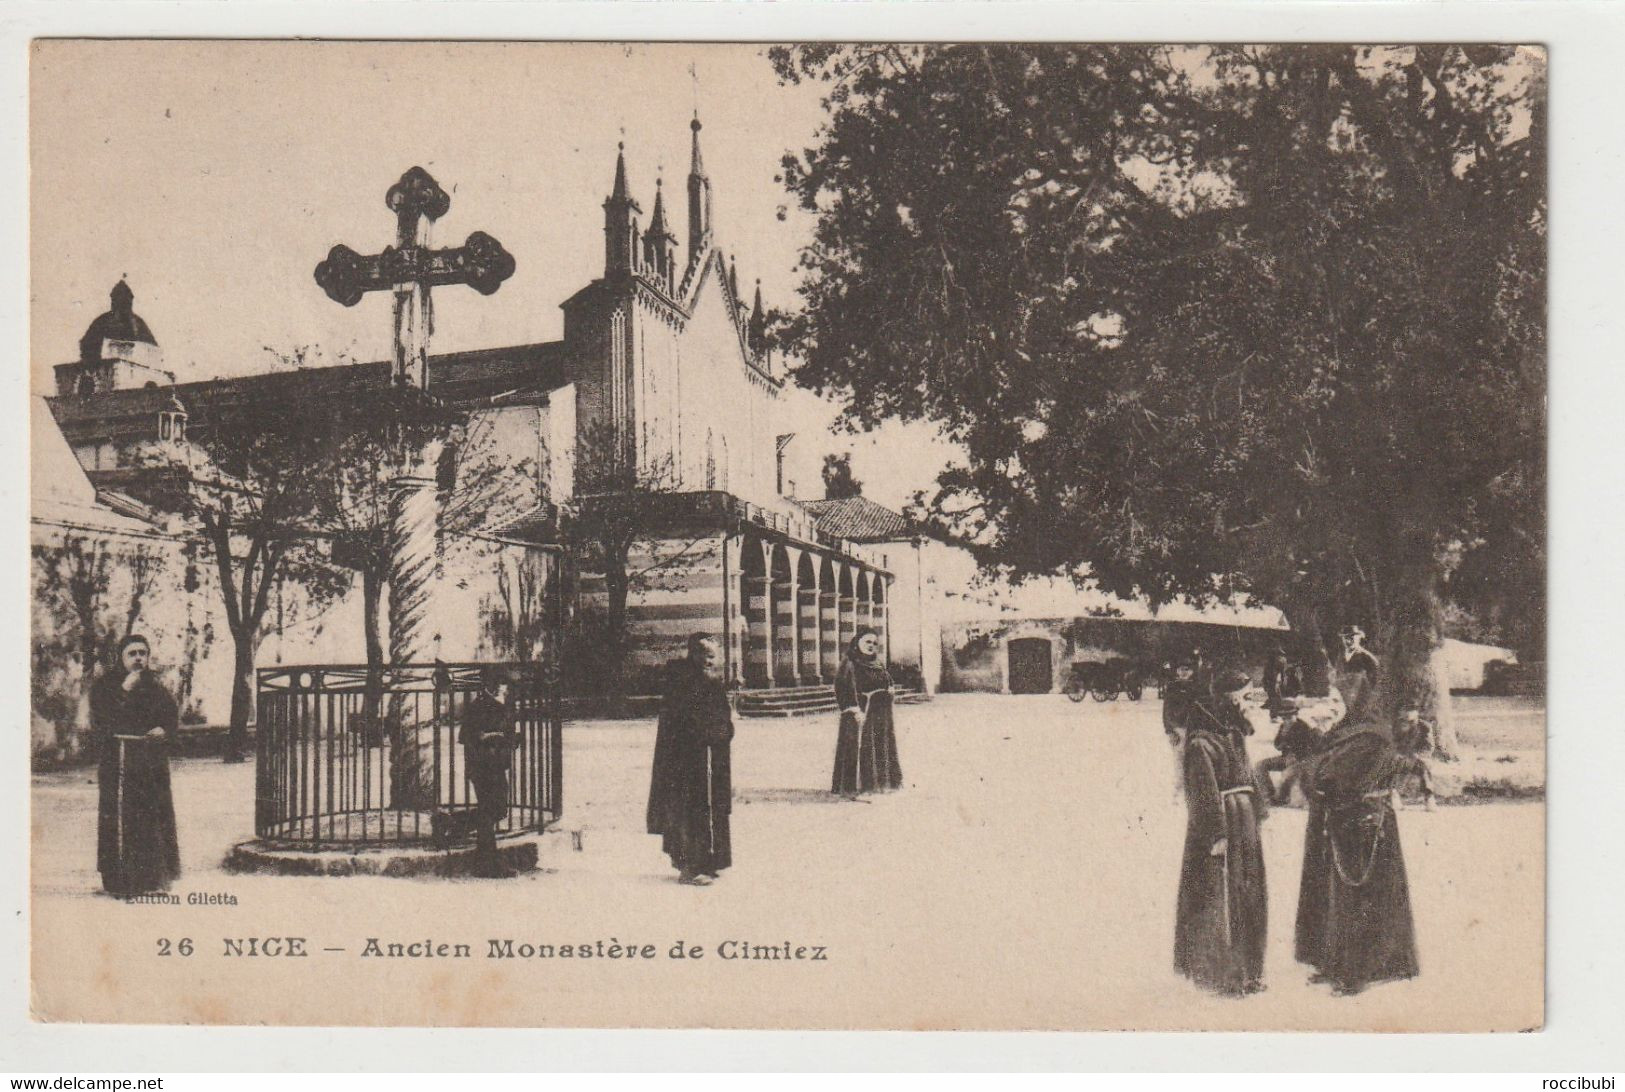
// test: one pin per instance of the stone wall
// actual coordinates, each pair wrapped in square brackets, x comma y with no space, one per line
[975,654]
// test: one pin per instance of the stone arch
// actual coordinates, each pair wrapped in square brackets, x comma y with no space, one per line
[879,617]
[754,600]
[807,632]
[864,605]
[781,615]
[846,610]
[829,645]
[1037,656]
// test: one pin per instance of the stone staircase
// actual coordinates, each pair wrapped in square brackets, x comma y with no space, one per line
[797,701]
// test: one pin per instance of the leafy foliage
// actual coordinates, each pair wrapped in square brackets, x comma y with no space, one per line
[1205,320]
[838,480]
[615,507]
[93,588]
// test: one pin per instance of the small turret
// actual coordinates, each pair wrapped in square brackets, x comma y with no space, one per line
[758,323]
[620,221]
[659,244]
[699,199]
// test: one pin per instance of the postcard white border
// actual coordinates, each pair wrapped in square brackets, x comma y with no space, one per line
[1586,868]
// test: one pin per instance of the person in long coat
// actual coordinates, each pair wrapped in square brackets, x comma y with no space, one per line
[866,745]
[1223,914]
[691,786]
[488,737]
[1354,924]
[134,720]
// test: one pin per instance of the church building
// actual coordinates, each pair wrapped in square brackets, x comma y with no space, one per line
[663,378]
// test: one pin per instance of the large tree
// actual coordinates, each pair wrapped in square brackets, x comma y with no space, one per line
[1204,320]
[259,500]
[619,503]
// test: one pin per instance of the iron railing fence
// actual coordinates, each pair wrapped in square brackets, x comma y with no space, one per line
[342,762]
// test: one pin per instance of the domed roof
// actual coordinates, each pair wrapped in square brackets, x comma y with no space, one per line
[121,323]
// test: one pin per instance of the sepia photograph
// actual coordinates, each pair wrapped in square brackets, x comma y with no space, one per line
[1043,536]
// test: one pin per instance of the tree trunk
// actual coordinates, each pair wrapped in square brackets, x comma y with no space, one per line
[89,659]
[242,694]
[615,586]
[1408,642]
[372,591]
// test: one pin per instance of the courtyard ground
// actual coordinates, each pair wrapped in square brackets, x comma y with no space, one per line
[1025,877]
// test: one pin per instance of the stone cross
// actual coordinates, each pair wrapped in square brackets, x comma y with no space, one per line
[410,269]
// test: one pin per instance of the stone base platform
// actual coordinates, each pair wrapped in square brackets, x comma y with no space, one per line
[519,852]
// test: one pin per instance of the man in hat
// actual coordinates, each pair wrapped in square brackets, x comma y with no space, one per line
[134,720]
[690,785]
[488,737]
[1220,930]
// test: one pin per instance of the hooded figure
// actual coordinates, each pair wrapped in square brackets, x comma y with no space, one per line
[135,721]
[866,749]
[1223,915]
[691,784]
[1354,923]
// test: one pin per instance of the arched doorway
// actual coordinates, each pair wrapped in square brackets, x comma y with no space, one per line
[1032,671]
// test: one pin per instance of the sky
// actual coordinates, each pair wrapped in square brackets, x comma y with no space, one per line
[215,175]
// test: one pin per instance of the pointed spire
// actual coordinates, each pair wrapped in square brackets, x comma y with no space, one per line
[699,199]
[758,321]
[657,219]
[658,242]
[620,226]
[621,192]
[733,278]
[122,299]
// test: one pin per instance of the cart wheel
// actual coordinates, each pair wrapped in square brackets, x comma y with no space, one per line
[1102,694]
[1074,695]
[1135,692]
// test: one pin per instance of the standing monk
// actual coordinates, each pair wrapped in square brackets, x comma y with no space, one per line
[691,788]
[866,748]
[488,737]
[1178,697]
[134,720]
[1219,934]
[1354,922]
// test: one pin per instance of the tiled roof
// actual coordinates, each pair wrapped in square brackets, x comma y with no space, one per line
[857,518]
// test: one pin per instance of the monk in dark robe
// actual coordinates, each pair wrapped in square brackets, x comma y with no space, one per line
[1223,914]
[1354,924]
[691,788]
[866,746]
[1178,697]
[135,721]
[488,737]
